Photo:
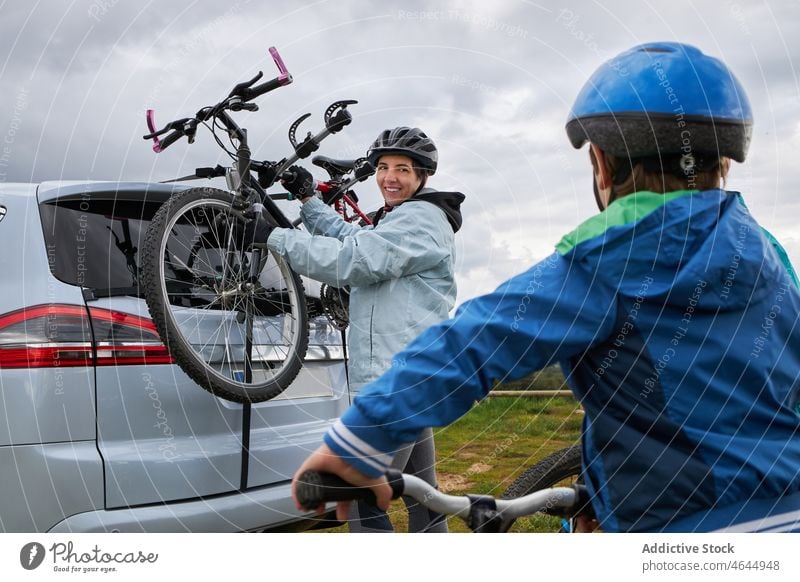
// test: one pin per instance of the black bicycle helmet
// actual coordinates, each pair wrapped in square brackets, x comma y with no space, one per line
[663,99]
[406,141]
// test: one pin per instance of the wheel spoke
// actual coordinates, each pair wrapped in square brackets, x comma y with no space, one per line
[202,290]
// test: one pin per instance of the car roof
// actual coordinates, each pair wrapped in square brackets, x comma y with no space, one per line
[74,189]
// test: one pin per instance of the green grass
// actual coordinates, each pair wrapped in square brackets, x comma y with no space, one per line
[550,378]
[486,449]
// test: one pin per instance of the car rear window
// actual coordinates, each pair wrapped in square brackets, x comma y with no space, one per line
[96,243]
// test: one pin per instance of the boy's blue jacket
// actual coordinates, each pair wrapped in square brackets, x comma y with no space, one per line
[676,324]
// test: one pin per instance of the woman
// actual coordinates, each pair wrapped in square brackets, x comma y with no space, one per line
[400,271]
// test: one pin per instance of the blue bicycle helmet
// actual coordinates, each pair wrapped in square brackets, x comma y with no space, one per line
[662,99]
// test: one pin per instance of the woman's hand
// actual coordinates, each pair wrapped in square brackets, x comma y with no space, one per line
[302,186]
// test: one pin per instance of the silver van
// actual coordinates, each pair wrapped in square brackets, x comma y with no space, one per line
[99,430]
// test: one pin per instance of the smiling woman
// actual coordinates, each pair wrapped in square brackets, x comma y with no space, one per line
[398,179]
[400,271]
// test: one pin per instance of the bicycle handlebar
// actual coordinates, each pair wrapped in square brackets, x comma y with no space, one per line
[315,489]
[247,92]
[237,100]
[169,140]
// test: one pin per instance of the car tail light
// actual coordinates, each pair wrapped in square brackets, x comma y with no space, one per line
[58,335]
[126,339]
[46,336]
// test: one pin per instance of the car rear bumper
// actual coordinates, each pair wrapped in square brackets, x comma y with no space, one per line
[252,510]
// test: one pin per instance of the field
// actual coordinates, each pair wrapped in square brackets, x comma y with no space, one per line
[486,449]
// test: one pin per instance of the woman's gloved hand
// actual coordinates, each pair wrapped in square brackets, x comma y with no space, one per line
[302,185]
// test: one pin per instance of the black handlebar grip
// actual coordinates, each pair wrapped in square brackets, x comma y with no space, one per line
[314,489]
[171,139]
[266,87]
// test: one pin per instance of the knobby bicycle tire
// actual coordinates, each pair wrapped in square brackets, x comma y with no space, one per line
[561,468]
[556,467]
[239,340]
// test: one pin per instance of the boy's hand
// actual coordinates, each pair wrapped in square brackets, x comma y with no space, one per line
[325,460]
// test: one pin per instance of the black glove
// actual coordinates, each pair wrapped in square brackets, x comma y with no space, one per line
[335,193]
[302,185]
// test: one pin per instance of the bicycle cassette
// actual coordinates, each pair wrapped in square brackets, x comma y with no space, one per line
[336,305]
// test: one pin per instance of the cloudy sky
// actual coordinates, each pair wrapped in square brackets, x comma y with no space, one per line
[492,82]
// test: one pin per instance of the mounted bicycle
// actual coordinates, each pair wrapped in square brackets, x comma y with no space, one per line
[232,314]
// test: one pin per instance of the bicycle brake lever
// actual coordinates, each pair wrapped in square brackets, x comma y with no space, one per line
[158,145]
[238,105]
[240,88]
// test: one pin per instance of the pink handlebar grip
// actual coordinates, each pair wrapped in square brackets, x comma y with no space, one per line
[151,125]
[285,77]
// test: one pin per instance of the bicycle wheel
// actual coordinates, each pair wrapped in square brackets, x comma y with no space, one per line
[559,469]
[233,319]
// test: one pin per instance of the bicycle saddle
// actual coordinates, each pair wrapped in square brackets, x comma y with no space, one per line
[338,167]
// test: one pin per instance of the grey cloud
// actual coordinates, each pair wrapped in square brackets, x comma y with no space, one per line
[491,82]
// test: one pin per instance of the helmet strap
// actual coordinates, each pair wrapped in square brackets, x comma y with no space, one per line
[597,198]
